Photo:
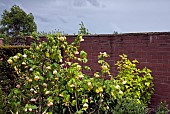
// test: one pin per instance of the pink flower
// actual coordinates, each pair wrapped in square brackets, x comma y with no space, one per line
[18,86]
[50,104]
[33,100]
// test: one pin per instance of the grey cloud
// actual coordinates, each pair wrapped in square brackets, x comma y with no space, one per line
[63,20]
[99,16]
[94,2]
[81,3]
[42,19]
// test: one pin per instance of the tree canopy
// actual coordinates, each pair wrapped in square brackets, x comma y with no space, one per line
[16,22]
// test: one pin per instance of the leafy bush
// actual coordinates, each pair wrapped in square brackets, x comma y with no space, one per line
[129,106]
[137,83]
[51,81]
[162,108]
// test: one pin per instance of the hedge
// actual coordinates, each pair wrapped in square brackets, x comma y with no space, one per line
[7,74]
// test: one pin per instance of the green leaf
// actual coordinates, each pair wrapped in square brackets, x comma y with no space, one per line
[73,103]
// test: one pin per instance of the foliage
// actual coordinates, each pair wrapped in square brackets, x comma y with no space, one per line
[138,83]
[3,102]
[2,35]
[7,74]
[162,108]
[129,106]
[51,80]
[16,23]
[83,30]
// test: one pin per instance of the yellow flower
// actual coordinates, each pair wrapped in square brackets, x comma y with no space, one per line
[100,89]
[16,57]
[104,54]
[85,105]
[47,92]
[78,67]
[24,63]
[9,61]
[81,38]
[56,78]
[104,67]
[30,80]
[55,72]
[96,75]
[72,85]
[62,38]
[120,92]
[97,91]
[81,76]
[49,67]
[31,89]
[44,84]
[89,83]
[31,69]
[61,95]
[36,78]
[76,52]
[47,54]
[16,69]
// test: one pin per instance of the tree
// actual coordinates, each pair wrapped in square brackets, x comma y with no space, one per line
[16,23]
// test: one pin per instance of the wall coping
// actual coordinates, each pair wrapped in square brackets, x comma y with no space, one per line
[124,34]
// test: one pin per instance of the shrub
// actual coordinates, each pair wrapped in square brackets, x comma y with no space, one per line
[50,82]
[129,106]
[162,108]
[137,83]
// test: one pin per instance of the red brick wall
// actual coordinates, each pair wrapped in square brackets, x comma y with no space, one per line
[150,49]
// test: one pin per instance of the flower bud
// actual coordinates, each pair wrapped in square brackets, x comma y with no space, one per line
[24,55]
[49,67]
[85,105]
[117,86]
[44,84]
[16,57]
[9,61]
[23,63]
[30,109]
[104,67]
[78,67]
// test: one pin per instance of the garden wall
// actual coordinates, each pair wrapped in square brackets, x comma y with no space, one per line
[150,49]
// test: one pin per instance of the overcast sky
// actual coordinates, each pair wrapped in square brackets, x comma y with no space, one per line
[99,16]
